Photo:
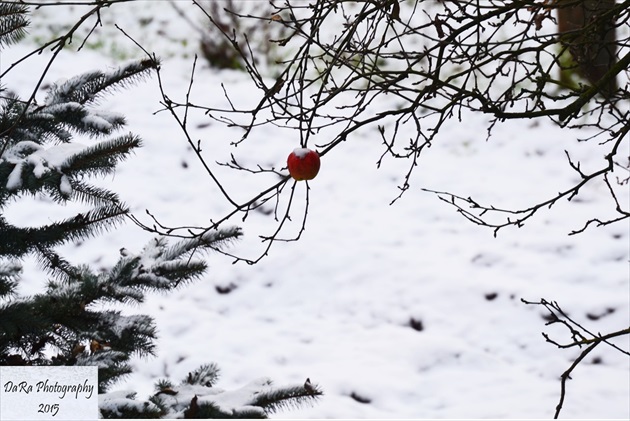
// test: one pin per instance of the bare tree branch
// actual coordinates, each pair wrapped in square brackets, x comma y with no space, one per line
[347,63]
[580,336]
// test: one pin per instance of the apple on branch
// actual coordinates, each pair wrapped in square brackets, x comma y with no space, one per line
[303,164]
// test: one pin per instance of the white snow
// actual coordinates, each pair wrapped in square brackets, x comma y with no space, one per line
[66,107]
[336,305]
[301,152]
[43,161]
[20,150]
[64,186]
[232,401]
[97,122]
[240,399]
[112,401]
[14,181]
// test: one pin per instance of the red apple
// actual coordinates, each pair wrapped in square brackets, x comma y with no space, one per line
[303,164]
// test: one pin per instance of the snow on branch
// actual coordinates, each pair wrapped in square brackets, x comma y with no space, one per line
[257,399]
[188,401]
[212,239]
[26,128]
[121,404]
[32,159]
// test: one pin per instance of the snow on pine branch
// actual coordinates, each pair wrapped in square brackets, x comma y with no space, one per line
[188,400]
[206,375]
[233,402]
[54,122]
[121,326]
[242,399]
[156,267]
[160,266]
[66,159]
[196,397]
[26,128]
[211,239]
[81,118]
[31,158]
[121,403]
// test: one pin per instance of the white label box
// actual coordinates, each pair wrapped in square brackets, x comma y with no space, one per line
[48,393]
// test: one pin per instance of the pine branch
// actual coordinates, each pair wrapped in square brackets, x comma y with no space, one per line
[195,397]
[214,239]
[60,318]
[92,195]
[119,283]
[53,122]
[30,167]
[18,321]
[89,87]
[9,276]
[206,375]
[134,275]
[79,118]
[20,241]
[101,158]
[157,267]
[208,410]
[112,365]
[128,334]
[161,267]
[54,264]
[287,397]
[65,108]
[169,275]
[20,123]
[12,23]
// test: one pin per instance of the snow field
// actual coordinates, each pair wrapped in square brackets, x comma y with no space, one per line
[336,306]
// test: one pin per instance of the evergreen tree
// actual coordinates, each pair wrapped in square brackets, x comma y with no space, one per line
[67,324]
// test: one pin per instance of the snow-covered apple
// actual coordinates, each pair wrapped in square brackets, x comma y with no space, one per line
[303,164]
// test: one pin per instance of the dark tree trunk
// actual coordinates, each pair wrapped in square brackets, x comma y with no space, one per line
[590,38]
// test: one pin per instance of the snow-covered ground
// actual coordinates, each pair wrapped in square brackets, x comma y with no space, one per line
[337,305]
